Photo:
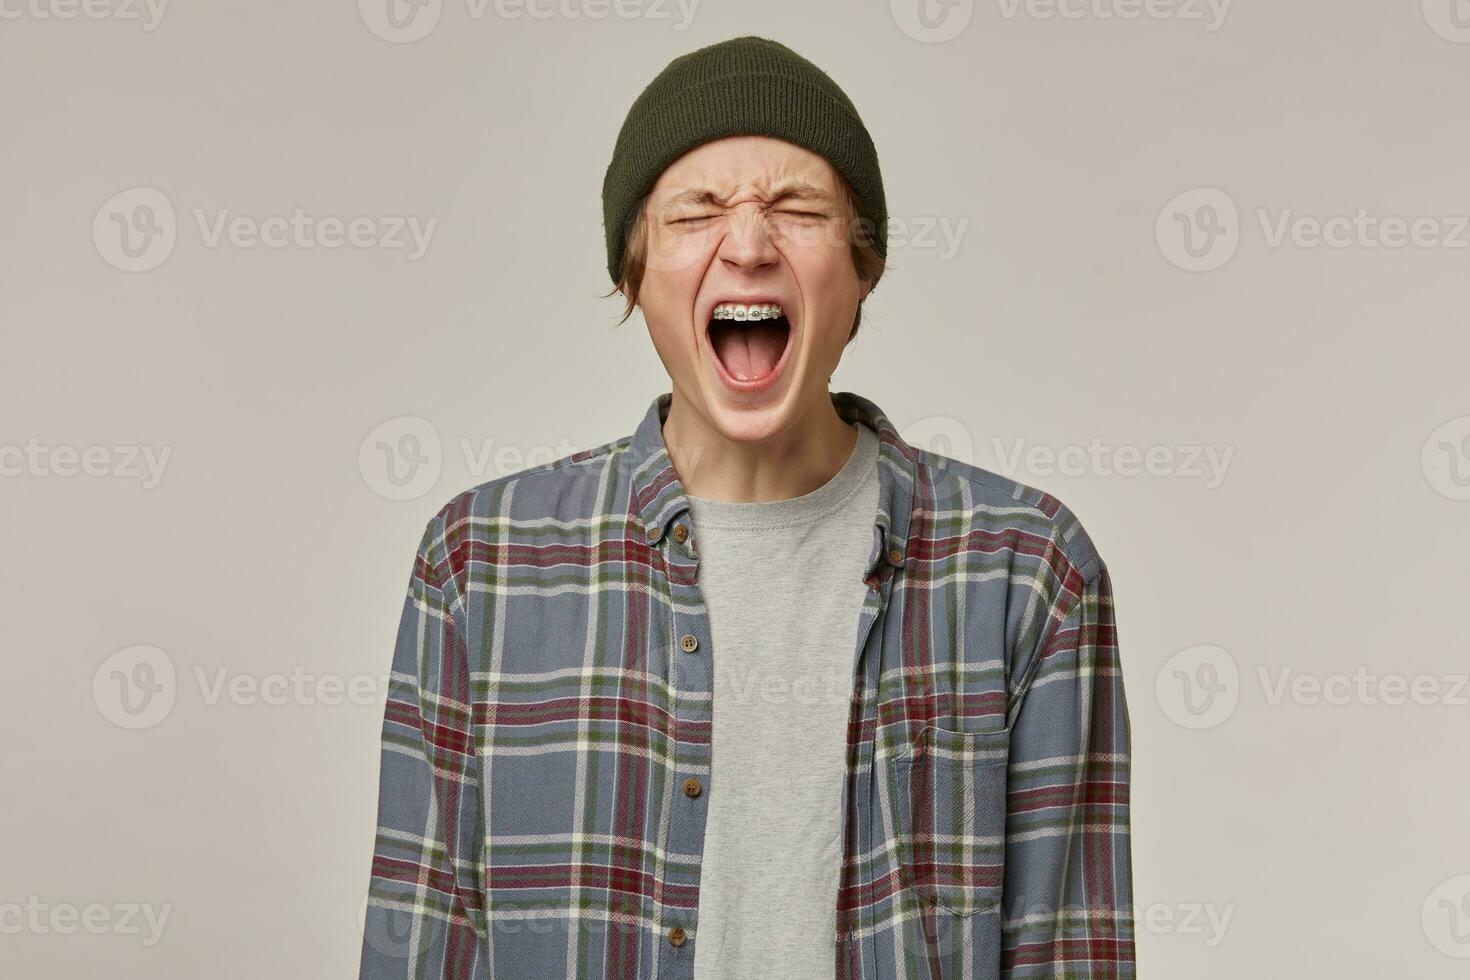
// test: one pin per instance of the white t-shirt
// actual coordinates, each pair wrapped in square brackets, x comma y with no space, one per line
[783,583]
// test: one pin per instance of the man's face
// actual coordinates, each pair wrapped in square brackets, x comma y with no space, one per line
[756,221]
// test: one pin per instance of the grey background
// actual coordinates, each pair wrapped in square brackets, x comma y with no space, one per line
[1295,834]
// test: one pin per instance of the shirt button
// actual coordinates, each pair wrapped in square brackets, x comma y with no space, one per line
[653,533]
[691,787]
[676,936]
[680,533]
[895,556]
[689,643]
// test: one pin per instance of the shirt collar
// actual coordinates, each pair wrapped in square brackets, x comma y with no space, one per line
[658,495]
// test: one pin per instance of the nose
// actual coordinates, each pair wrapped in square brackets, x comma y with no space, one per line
[747,245]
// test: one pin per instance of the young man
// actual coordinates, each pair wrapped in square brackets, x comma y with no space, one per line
[758,691]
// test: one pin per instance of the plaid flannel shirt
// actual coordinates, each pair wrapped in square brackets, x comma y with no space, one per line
[551,695]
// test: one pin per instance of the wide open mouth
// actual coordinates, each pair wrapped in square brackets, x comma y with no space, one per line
[750,342]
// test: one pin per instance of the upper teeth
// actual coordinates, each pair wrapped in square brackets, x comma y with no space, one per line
[741,311]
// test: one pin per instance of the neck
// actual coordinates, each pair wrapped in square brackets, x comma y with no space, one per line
[788,462]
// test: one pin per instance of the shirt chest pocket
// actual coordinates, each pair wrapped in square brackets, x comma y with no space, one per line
[948,800]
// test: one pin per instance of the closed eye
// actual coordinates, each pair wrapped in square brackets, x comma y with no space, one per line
[707,217]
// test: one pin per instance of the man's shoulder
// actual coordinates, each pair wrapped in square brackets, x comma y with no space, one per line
[1015,515]
[575,487]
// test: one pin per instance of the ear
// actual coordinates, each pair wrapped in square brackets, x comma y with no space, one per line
[865,286]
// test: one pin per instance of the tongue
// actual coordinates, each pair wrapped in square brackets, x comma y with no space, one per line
[749,352]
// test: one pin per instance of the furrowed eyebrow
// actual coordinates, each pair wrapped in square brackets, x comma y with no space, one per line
[695,196]
[801,192]
[792,190]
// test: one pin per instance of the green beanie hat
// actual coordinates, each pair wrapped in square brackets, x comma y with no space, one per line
[743,86]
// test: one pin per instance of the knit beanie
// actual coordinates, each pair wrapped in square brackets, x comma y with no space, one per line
[743,86]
